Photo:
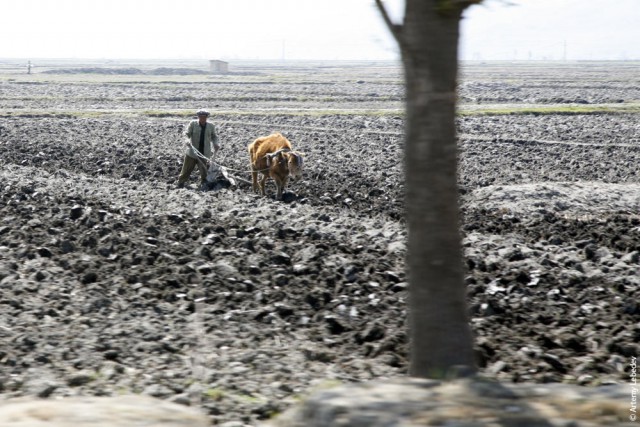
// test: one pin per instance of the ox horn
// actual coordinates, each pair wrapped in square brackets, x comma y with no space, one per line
[270,156]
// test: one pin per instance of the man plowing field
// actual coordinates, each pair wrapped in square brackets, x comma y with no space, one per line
[202,138]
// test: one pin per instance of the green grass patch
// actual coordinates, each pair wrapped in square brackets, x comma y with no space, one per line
[60,114]
[569,109]
[463,110]
[189,113]
[215,394]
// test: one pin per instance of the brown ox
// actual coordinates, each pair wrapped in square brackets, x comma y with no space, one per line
[273,157]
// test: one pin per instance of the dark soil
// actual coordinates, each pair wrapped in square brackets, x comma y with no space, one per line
[112,280]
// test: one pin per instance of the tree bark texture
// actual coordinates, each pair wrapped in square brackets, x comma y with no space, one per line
[440,334]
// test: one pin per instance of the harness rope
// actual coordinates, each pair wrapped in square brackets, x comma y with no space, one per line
[207,160]
[188,144]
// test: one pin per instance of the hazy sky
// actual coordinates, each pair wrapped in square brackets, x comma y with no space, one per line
[307,29]
[552,29]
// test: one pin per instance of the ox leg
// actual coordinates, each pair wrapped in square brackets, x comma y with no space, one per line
[263,181]
[281,185]
[254,180]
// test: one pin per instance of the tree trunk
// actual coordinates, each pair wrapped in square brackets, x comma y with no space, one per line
[440,335]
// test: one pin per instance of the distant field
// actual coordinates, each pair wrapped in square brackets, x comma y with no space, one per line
[308,88]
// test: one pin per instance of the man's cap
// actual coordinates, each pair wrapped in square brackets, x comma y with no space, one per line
[202,113]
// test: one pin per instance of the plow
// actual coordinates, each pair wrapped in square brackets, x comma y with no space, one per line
[219,177]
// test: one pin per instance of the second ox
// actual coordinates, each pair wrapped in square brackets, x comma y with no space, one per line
[273,157]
